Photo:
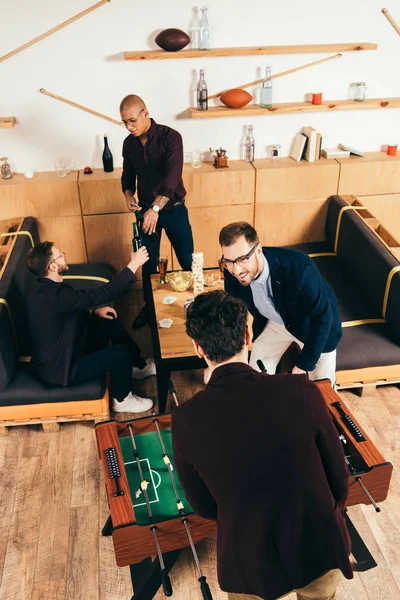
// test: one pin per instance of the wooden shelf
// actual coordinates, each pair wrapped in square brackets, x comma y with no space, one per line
[248,51]
[7,122]
[293,107]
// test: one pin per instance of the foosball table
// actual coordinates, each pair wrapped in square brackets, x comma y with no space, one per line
[150,516]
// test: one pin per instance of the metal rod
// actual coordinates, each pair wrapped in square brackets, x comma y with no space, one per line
[205,590]
[172,390]
[53,30]
[143,486]
[366,492]
[81,107]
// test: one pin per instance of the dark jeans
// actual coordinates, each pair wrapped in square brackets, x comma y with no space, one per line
[179,232]
[118,358]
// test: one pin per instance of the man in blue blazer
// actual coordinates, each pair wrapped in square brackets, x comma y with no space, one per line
[288,298]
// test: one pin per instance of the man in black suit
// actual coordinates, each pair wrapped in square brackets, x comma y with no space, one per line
[260,454]
[288,298]
[66,334]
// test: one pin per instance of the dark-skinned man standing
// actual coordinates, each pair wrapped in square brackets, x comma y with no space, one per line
[152,167]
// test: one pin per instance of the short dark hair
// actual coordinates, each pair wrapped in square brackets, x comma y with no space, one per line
[230,233]
[38,258]
[217,322]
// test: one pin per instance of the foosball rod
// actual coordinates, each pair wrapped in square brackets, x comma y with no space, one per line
[172,391]
[205,590]
[166,583]
[367,493]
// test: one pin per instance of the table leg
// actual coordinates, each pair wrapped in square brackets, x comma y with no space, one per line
[363,556]
[108,527]
[163,377]
[146,578]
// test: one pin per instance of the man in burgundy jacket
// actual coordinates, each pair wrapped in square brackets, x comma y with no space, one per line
[260,454]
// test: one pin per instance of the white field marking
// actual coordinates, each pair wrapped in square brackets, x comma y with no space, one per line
[133,462]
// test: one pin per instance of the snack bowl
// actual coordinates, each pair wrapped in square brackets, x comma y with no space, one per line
[181,280]
[211,279]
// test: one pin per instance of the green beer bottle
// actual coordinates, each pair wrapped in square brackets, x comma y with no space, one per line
[137,240]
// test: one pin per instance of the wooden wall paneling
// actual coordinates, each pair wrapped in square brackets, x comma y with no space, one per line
[386,207]
[46,195]
[206,224]
[207,186]
[286,223]
[67,235]
[373,173]
[286,179]
[109,239]
[101,192]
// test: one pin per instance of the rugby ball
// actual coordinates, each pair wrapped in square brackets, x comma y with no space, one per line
[236,98]
[172,40]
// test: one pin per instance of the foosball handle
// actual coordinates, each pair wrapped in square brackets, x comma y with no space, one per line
[166,583]
[205,590]
[171,387]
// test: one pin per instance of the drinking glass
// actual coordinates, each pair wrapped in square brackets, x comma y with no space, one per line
[197,159]
[221,265]
[63,166]
[162,264]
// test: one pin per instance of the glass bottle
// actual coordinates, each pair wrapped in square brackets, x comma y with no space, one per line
[204,30]
[108,163]
[137,240]
[249,145]
[266,90]
[194,30]
[6,172]
[202,93]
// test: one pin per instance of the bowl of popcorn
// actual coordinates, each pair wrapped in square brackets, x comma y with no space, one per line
[181,280]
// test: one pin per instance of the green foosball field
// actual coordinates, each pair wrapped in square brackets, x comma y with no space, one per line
[161,493]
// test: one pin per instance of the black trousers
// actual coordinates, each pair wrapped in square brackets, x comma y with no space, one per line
[179,232]
[99,358]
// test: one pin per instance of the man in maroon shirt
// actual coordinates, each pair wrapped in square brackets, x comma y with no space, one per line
[261,455]
[153,161]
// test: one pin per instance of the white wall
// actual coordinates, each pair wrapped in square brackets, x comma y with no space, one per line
[84,62]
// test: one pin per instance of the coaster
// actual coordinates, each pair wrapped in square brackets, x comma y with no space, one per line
[166,323]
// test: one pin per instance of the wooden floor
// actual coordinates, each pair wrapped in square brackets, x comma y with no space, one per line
[53,506]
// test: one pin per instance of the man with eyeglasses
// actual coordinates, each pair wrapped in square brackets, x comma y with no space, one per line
[153,161]
[289,300]
[70,336]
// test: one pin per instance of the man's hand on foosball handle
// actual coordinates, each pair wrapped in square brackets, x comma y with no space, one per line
[138,259]
[297,371]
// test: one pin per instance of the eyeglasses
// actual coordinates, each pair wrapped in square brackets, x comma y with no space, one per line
[133,121]
[62,254]
[241,260]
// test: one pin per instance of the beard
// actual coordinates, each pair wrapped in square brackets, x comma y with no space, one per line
[63,269]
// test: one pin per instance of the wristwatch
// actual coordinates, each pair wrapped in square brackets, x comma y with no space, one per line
[156,208]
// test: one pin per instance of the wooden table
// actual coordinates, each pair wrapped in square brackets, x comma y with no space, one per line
[173,349]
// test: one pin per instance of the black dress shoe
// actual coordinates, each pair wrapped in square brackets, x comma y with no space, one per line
[142,319]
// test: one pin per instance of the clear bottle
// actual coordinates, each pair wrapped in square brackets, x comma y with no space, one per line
[5,168]
[194,30]
[266,90]
[202,93]
[204,30]
[249,145]
[108,163]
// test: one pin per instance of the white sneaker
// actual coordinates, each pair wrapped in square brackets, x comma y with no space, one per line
[132,403]
[147,371]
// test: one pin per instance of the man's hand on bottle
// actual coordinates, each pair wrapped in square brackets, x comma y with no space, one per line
[138,259]
[150,221]
[131,204]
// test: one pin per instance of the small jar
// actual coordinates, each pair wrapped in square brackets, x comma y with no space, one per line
[5,168]
[275,151]
[360,91]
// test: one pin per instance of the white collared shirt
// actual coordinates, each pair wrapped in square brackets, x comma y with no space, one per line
[263,298]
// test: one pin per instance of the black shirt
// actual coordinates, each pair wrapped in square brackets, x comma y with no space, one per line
[157,165]
[57,315]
